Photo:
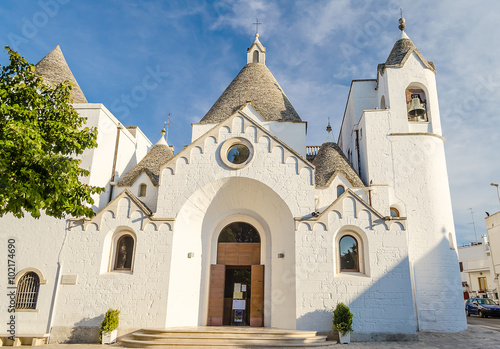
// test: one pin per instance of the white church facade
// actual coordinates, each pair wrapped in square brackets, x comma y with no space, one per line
[247,225]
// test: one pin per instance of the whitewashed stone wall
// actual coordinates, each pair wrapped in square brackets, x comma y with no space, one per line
[140,294]
[379,296]
[205,195]
[408,158]
[38,242]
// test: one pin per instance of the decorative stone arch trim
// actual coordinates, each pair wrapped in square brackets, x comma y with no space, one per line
[337,206]
[24,271]
[116,238]
[363,250]
[258,224]
[231,128]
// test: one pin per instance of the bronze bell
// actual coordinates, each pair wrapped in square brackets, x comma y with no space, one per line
[415,107]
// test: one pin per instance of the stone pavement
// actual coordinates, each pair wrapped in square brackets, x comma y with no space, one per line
[473,337]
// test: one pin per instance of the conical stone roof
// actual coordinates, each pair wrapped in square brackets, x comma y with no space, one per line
[157,156]
[400,53]
[54,70]
[256,84]
[330,160]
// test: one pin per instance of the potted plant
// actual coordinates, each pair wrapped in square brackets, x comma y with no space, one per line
[109,325]
[342,322]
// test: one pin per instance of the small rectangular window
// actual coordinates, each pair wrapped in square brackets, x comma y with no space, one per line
[142,190]
[482,284]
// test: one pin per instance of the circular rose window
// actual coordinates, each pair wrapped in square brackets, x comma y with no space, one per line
[236,153]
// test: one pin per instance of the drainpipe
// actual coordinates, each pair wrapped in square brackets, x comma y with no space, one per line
[357,151]
[57,283]
[112,180]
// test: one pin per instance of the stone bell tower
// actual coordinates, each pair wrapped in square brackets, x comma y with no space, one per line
[393,131]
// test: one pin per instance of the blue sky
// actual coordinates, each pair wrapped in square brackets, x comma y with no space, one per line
[193,49]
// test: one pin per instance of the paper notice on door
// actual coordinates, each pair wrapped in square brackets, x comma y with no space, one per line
[243,288]
[237,295]
[238,316]
[237,287]
[239,304]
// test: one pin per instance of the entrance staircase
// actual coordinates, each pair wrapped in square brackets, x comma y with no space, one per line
[223,337]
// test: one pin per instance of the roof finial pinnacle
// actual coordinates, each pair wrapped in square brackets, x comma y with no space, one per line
[329,127]
[163,132]
[402,25]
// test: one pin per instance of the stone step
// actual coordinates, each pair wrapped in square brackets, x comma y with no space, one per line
[130,343]
[222,337]
[223,331]
[228,337]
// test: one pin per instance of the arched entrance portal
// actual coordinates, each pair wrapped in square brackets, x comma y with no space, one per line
[236,296]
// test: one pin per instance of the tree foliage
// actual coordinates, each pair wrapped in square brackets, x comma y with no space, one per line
[41,136]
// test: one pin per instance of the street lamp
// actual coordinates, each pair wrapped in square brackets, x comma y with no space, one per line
[498,191]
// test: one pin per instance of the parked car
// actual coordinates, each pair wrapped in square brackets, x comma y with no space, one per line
[483,307]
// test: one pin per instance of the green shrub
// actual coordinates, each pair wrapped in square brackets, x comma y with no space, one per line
[342,319]
[110,322]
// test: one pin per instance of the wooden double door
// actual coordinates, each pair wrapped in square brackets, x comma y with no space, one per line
[236,295]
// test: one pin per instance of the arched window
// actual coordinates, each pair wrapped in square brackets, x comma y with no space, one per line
[27,291]
[256,56]
[394,212]
[239,232]
[340,190]
[349,254]
[238,244]
[416,104]
[142,190]
[124,253]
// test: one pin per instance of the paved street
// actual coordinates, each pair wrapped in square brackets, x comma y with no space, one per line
[481,334]
[489,323]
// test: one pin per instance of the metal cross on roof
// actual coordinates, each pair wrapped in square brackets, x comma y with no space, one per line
[168,126]
[257,25]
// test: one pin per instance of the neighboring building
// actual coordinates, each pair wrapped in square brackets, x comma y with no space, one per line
[241,214]
[493,229]
[476,266]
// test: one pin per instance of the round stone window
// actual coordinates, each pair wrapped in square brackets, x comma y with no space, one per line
[236,153]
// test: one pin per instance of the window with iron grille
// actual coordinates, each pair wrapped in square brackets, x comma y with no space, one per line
[27,291]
